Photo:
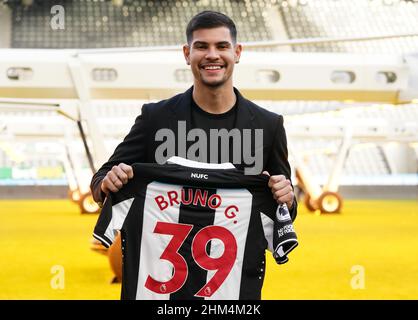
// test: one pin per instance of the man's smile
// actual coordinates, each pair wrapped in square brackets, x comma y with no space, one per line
[212,67]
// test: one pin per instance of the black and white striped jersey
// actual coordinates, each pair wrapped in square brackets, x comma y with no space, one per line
[195,233]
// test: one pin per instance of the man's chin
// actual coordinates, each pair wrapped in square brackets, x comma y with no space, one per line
[214,84]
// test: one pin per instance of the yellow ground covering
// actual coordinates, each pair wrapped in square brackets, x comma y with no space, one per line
[370,251]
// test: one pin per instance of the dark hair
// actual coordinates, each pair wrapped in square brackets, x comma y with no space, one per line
[208,20]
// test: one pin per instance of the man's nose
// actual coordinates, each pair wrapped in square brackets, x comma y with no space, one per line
[212,53]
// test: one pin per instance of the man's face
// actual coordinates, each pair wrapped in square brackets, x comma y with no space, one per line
[212,56]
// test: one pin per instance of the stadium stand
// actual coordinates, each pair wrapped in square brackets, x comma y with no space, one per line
[140,23]
[155,23]
[330,18]
[135,23]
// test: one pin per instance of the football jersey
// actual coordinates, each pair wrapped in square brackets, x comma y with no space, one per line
[195,231]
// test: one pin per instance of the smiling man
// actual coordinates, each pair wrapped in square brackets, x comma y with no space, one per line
[210,122]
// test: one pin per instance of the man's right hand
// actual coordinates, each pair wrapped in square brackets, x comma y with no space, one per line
[116,178]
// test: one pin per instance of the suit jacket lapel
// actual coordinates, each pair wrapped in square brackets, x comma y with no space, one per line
[247,120]
[181,111]
[245,116]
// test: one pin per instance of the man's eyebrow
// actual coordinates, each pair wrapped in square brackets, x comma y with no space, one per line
[224,43]
[199,43]
[205,43]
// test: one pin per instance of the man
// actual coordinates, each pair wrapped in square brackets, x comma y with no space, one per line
[211,103]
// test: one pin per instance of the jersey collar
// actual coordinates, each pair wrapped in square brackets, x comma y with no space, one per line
[195,164]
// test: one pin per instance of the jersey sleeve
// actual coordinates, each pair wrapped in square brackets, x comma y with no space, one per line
[284,235]
[278,231]
[111,219]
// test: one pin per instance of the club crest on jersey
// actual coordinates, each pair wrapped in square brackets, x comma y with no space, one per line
[208,291]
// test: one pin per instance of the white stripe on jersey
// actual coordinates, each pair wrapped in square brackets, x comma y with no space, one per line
[119,213]
[102,239]
[241,198]
[202,165]
[152,244]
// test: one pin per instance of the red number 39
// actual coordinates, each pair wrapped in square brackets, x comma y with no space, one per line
[222,264]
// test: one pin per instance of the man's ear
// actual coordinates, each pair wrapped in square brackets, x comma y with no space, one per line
[238,50]
[186,53]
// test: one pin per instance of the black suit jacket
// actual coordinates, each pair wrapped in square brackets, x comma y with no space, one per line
[140,145]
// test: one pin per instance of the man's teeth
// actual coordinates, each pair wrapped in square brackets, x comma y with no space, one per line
[212,67]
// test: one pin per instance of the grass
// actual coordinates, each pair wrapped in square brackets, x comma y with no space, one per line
[376,239]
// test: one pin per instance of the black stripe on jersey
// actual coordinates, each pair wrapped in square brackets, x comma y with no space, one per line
[176,174]
[103,222]
[131,242]
[196,278]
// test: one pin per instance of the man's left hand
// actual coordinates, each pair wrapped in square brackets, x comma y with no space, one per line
[281,188]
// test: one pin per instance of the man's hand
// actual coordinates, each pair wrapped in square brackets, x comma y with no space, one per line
[281,188]
[116,178]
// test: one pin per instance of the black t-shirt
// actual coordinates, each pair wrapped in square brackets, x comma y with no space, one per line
[207,121]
